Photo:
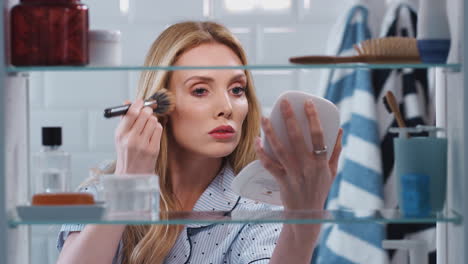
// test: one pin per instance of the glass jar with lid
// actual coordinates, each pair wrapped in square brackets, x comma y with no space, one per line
[49,32]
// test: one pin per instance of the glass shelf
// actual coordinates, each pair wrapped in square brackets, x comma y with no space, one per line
[239,217]
[454,67]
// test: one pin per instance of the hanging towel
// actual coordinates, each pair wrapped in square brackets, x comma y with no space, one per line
[358,184]
[410,87]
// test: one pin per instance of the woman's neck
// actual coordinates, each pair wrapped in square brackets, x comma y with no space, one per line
[190,175]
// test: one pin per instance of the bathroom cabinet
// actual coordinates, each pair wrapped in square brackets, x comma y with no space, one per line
[452,235]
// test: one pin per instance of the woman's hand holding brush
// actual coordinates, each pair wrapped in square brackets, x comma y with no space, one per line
[137,140]
[138,136]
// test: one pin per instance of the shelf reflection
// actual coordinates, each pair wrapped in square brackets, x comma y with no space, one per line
[240,217]
[287,66]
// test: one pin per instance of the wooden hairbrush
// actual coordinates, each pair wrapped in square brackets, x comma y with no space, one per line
[381,50]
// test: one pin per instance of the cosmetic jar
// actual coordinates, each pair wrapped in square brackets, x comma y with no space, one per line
[130,196]
[105,48]
[49,32]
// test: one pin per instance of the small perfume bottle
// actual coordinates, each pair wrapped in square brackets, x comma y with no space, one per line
[52,164]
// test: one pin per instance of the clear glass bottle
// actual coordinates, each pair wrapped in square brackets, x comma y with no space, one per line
[51,170]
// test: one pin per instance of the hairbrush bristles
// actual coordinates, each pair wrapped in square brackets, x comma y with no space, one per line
[402,49]
[165,102]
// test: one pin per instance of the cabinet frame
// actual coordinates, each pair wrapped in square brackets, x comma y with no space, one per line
[452,248]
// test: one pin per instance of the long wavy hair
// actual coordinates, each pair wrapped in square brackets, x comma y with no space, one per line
[152,243]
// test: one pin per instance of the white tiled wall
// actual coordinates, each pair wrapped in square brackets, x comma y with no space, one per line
[80,91]
[76,101]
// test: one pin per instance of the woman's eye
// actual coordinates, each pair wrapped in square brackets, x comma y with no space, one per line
[238,91]
[199,91]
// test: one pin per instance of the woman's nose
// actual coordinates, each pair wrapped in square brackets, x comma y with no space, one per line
[224,106]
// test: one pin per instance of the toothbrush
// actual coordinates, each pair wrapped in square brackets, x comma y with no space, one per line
[392,107]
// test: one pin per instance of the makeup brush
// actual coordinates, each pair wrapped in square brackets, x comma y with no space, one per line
[392,107]
[162,103]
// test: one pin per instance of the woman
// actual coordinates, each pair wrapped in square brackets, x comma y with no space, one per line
[209,137]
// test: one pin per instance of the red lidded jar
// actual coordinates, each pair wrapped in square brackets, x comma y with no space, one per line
[49,32]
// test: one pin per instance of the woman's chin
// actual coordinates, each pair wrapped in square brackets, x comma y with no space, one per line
[220,151]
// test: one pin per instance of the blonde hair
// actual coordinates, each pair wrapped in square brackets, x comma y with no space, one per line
[151,243]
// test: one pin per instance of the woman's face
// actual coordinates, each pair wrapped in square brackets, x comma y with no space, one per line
[210,105]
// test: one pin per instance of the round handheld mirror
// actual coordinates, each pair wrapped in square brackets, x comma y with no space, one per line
[254,181]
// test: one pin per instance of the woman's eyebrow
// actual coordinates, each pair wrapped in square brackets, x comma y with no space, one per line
[202,78]
[237,77]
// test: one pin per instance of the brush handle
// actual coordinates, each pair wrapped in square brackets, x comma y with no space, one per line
[324,59]
[123,109]
[395,109]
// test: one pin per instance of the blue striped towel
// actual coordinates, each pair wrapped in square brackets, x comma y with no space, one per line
[413,94]
[359,181]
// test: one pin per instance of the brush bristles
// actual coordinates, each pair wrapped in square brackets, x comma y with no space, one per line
[165,102]
[399,47]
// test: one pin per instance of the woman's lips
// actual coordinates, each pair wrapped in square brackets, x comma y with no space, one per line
[223,132]
[222,135]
